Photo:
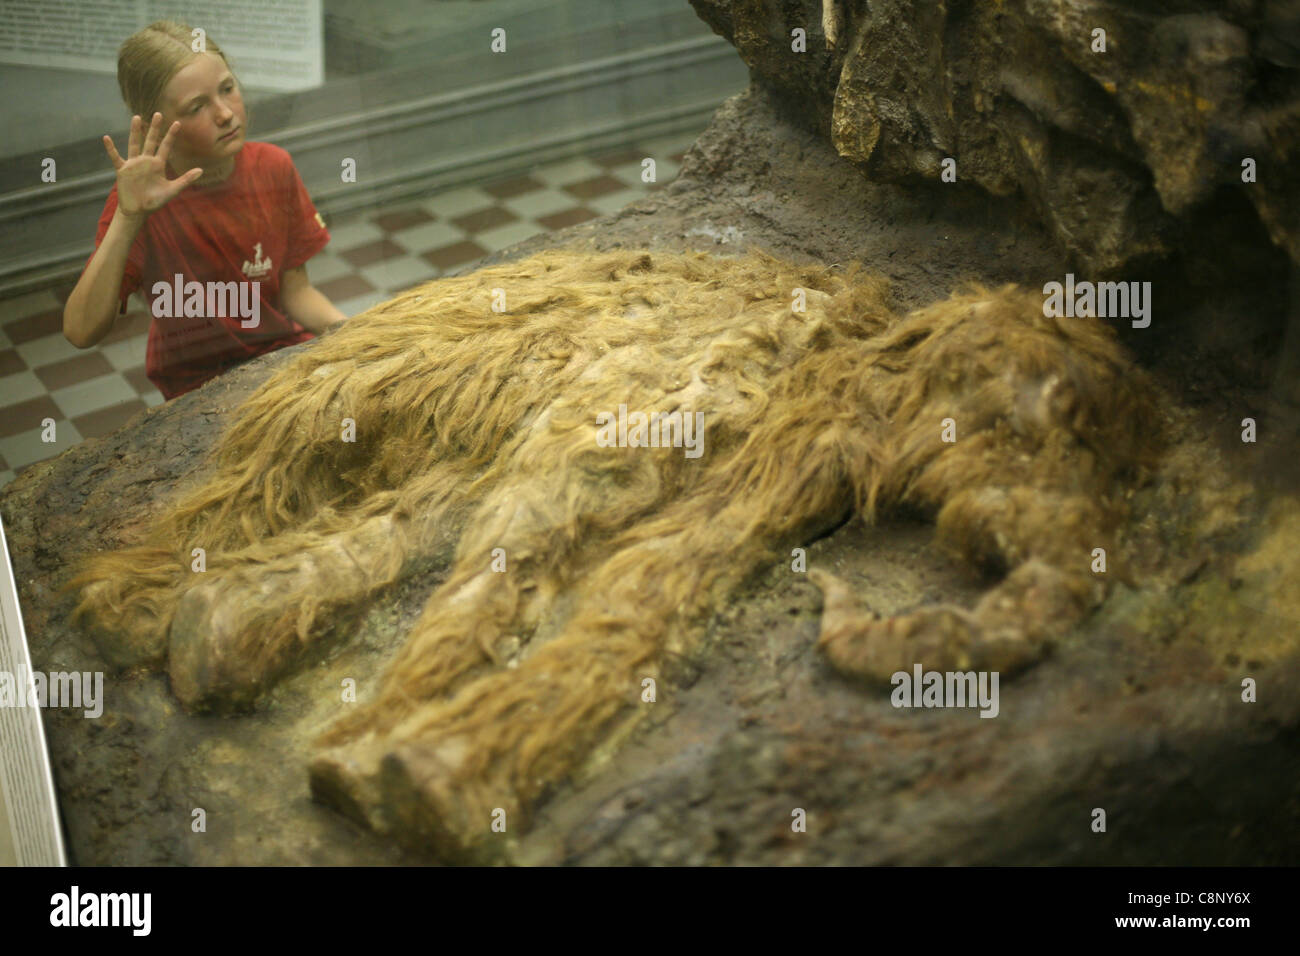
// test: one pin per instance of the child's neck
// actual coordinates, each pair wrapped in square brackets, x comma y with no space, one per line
[213,175]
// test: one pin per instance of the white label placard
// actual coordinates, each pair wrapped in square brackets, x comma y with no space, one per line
[29,818]
[272,44]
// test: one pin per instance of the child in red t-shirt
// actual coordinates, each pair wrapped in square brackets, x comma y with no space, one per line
[219,251]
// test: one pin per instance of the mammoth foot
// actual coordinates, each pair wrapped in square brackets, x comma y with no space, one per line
[138,637]
[859,643]
[225,647]
[417,792]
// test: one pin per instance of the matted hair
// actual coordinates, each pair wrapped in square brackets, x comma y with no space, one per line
[149,58]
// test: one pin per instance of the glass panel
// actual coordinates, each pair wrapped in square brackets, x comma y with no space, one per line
[426,134]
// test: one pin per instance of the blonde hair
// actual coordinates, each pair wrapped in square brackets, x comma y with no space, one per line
[149,58]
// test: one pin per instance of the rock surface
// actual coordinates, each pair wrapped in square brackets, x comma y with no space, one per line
[1139,712]
[1115,137]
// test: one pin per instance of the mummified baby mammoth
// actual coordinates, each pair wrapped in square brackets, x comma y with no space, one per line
[479,430]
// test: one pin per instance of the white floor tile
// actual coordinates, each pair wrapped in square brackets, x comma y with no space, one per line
[27,447]
[358,304]
[569,171]
[431,235]
[19,387]
[47,349]
[667,146]
[507,235]
[630,174]
[401,272]
[29,303]
[665,172]
[325,265]
[456,202]
[127,354]
[92,395]
[352,234]
[613,202]
[543,202]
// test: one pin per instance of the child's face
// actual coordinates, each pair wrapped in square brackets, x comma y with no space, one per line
[205,98]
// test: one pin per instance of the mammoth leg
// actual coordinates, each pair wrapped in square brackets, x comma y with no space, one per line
[501,739]
[440,776]
[1042,536]
[239,629]
[127,602]
[129,597]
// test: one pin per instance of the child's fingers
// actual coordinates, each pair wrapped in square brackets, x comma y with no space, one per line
[112,152]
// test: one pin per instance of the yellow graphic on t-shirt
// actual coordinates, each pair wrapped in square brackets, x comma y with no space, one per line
[320,220]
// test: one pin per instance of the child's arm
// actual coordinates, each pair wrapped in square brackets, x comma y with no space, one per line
[305,304]
[91,308]
[142,188]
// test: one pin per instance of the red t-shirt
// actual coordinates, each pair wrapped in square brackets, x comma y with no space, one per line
[251,227]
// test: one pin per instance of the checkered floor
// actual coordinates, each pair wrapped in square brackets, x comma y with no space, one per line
[92,392]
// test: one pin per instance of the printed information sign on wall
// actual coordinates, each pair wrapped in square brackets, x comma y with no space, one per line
[273,44]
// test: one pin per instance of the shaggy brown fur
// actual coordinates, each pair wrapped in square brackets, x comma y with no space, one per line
[476,431]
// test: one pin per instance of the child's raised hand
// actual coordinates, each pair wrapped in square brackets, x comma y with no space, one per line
[142,183]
